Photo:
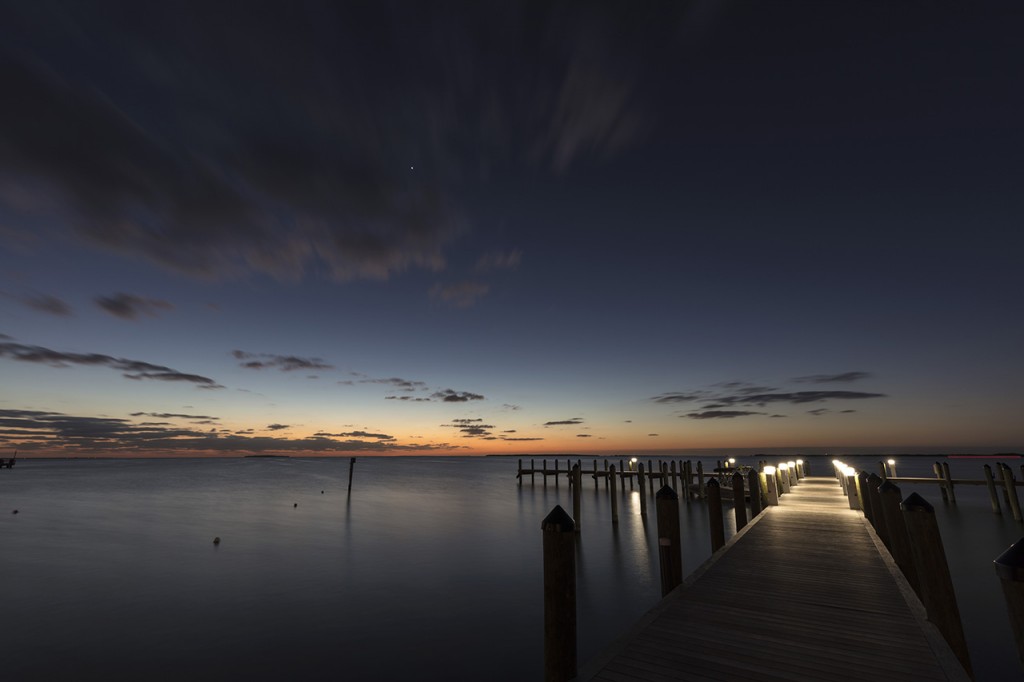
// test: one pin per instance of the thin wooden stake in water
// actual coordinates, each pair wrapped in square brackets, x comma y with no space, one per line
[949,482]
[643,491]
[1010,569]
[715,519]
[701,491]
[937,468]
[670,549]
[615,498]
[351,465]
[1011,491]
[937,593]
[993,497]
[559,532]
[738,504]
[577,480]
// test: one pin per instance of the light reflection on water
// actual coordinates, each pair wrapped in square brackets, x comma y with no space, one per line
[433,565]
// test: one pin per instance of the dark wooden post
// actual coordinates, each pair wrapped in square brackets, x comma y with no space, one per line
[615,498]
[687,480]
[643,491]
[670,547]
[715,519]
[877,519]
[890,496]
[949,482]
[606,484]
[739,503]
[544,471]
[881,470]
[533,471]
[993,497]
[862,495]
[520,474]
[351,466]
[1010,569]
[851,488]
[559,596]
[771,487]
[556,472]
[701,489]
[577,480]
[933,574]
[754,483]
[937,468]
[672,469]
[1011,491]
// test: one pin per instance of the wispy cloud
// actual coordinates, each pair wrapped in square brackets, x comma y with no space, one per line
[47,304]
[499,260]
[277,427]
[130,306]
[355,434]
[461,294]
[171,415]
[395,382]
[449,396]
[131,369]
[719,414]
[565,422]
[284,363]
[844,377]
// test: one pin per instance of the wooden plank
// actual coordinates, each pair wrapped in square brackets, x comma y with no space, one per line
[800,594]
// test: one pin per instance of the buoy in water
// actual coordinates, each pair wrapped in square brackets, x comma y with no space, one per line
[216,540]
[15,511]
[295,505]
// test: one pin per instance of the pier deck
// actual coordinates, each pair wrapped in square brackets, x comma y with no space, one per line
[801,594]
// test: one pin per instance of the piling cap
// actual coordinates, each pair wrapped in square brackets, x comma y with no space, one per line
[889,487]
[713,482]
[875,480]
[862,477]
[916,503]
[1010,564]
[666,492]
[558,521]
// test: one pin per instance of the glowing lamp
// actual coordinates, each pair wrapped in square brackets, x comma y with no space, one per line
[769,470]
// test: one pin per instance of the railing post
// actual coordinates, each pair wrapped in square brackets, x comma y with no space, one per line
[881,470]
[771,497]
[862,495]
[643,490]
[559,596]
[739,503]
[992,495]
[670,548]
[1010,569]
[877,519]
[851,488]
[577,480]
[783,477]
[933,574]
[890,497]
[715,519]
[754,483]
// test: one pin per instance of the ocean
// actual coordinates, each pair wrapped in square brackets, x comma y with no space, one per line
[431,569]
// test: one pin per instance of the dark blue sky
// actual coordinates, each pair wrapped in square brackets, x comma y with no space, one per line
[671,225]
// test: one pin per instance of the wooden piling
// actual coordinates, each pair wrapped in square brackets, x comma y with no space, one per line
[672,469]
[715,519]
[560,656]
[771,487]
[993,497]
[851,490]
[937,593]
[862,495]
[643,491]
[556,472]
[1010,568]
[351,466]
[606,484]
[783,475]
[670,548]
[701,489]
[877,518]
[533,470]
[890,496]
[687,480]
[738,503]
[937,468]
[949,482]
[1011,491]
[577,493]
[544,471]
[595,473]
[612,495]
[754,483]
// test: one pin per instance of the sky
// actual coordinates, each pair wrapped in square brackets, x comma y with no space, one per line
[463,228]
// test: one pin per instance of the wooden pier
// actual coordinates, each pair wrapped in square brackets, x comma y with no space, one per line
[806,591]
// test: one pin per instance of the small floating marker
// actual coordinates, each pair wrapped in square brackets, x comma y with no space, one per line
[295,505]
[321,492]
[15,511]
[216,540]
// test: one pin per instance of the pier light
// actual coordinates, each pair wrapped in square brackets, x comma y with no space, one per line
[632,463]
[783,476]
[850,476]
[770,485]
[800,468]
[892,468]
[732,460]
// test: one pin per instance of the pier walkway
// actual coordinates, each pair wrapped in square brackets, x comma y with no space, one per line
[802,593]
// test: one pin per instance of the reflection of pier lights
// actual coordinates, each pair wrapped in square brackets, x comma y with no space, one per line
[769,479]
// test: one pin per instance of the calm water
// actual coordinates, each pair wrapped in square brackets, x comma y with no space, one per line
[431,569]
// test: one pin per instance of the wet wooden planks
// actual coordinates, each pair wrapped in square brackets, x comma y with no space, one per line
[804,594]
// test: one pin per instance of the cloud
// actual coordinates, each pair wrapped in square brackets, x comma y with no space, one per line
[130,307]
[131,369]
[584,435]
[652,435]
[509,406]
[356,434]
[47,304]
[720,414]
[401,384]
[521,439]
[499,260]
[747,394]
[565,422]
[460,295]
[669,398]
[285,363]
[36,430]
[171,415]
[472,428]
[818,412]
[407,398]
[844,377]
[277,427]
[847,411]
[449,396]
